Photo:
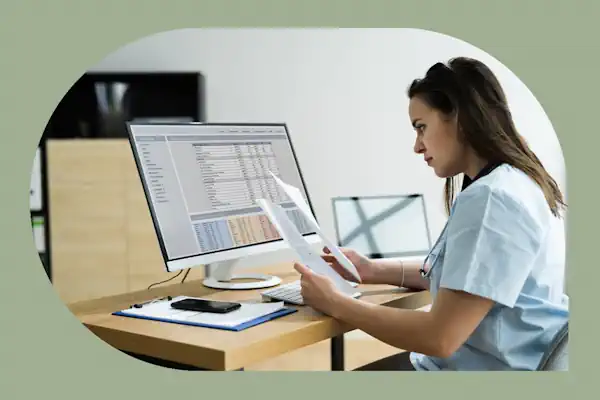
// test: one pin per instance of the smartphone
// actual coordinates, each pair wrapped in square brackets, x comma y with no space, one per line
[202,305]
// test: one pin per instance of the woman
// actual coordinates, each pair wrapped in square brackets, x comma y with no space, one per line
[496,273]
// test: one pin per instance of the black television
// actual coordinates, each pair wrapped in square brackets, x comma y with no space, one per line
[99,103]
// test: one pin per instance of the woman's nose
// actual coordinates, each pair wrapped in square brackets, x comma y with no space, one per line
[418,147]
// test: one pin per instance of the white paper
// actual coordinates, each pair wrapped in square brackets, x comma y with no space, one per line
[35,185]
[38,234]
[296,196]
[296,241]
[246,313]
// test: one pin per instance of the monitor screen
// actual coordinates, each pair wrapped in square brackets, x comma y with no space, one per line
[202,181]
[383,226]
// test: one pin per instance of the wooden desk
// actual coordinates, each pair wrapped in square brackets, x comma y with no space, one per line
[223,350]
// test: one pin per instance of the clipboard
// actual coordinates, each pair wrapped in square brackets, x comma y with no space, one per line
[249,315]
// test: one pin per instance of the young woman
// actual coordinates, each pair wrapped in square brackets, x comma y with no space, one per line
[496,273]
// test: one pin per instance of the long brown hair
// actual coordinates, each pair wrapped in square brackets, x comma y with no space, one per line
[468,89]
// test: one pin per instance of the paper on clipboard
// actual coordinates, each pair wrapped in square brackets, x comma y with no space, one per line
[296,196]
[296,241]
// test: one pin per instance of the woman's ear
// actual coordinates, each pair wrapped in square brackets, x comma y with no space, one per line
[460,133]
[455,121]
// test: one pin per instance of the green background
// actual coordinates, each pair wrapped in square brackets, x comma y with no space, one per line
[46,46]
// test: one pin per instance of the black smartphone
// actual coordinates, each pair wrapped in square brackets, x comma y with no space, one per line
[202,305]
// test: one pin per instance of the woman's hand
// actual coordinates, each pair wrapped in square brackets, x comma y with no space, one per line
[318,291]
[365,267]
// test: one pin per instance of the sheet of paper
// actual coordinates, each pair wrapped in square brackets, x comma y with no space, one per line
[35,188]
[246,313]
[296,196]
[296,241]
[37,224]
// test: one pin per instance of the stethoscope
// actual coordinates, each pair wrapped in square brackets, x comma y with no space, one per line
[427,273]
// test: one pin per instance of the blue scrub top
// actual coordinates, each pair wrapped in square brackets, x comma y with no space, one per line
[502,242]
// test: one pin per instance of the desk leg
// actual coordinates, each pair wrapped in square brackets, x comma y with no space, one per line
[337,353]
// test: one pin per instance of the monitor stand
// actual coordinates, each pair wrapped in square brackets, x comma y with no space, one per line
[220,275]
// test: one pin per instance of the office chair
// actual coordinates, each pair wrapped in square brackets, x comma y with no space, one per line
[556,357]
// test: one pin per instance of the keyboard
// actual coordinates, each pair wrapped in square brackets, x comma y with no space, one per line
[290,293]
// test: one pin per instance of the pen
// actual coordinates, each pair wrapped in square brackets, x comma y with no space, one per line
[140,305]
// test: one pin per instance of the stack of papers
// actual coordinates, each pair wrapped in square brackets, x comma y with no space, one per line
[296,241]
[249,314]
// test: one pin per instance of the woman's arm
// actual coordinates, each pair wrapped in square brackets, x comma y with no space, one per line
[387,272]
[439,333]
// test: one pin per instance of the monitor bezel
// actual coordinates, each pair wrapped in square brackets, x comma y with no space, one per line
[336,200]
[200,258]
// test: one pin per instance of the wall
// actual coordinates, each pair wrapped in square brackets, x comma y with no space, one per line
[342,92]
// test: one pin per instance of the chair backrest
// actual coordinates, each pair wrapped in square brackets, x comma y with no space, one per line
[556,357]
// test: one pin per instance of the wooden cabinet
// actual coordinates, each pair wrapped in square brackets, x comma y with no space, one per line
[102,238]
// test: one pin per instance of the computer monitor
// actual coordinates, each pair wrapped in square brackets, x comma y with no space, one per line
[201,181]
[389,226]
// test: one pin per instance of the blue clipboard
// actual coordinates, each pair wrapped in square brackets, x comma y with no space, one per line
[236,328]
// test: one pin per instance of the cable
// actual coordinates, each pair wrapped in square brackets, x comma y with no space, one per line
[186,274]
[168,280]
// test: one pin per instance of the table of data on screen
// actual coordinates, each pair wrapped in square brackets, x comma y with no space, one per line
[232,171]
[235,175]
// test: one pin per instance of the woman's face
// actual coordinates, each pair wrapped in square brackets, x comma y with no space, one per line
[437,139]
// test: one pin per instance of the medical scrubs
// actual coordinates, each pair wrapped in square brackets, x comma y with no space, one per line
[501,242]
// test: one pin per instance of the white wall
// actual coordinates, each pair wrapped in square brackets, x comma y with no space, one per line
[342,93]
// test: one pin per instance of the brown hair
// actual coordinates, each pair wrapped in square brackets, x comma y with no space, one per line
[468,89]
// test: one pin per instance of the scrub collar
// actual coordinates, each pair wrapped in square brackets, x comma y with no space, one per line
[467,181]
